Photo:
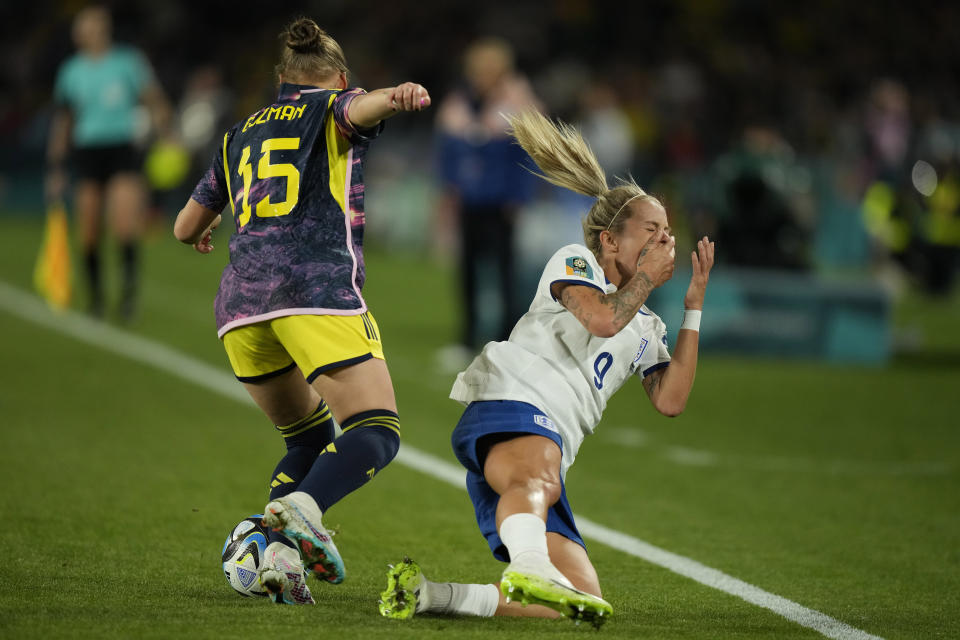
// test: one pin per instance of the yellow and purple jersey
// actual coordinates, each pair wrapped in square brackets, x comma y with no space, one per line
[293,175]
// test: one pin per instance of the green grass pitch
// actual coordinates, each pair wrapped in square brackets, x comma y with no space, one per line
[835,487]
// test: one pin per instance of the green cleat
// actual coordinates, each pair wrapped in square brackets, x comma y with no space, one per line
[571,603]
[399,600]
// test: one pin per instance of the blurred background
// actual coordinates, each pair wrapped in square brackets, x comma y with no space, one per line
[818,143]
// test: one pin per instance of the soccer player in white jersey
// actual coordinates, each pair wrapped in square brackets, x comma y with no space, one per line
[532,399]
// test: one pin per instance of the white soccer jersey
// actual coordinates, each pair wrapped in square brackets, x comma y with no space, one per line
[552,362]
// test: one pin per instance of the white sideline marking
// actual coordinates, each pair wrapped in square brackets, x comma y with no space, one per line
[637,439]
[18,303]
[719,580]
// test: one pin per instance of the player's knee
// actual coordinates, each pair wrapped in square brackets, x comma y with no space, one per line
[551,488]
[313,432]
[530,477]
[387,445]
[380,431]
[539,481]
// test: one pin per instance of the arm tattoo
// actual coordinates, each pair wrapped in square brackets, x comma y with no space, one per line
[623,303]
[652,382]
[627,301]
[573,306]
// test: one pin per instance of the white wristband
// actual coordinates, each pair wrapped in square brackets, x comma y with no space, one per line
[691,319]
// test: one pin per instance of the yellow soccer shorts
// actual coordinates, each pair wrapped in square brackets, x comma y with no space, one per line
[315,344]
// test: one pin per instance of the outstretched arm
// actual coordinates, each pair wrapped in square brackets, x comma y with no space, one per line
[368,109]
[670,387]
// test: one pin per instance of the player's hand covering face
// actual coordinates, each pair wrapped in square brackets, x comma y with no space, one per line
[645,244]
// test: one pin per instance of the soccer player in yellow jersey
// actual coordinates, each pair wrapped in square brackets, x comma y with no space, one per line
[289,309]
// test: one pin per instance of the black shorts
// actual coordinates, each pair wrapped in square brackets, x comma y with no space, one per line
[102,163]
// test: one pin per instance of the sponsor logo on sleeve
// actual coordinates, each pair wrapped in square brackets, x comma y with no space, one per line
[577,266]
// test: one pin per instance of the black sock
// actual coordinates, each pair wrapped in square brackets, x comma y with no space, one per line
[305,439]
[130,258]
[91,263]
[369,442]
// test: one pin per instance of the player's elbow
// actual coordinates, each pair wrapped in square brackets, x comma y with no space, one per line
[183,230]
[671,411]
[603,327]
[670,407]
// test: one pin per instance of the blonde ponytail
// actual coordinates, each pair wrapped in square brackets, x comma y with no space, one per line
[567,161]
[561,153]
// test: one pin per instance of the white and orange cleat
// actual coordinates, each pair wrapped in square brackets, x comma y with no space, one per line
[298,517]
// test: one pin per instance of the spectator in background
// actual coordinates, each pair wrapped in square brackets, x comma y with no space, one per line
[758,223]
[888,129]
[912,213]
[606,127]
[484,181]
[204,110]
[97,93]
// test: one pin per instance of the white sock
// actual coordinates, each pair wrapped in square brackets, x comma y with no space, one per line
[525,536]
[524,533]
[463,599]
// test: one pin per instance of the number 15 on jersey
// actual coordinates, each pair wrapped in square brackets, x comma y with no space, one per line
[266,170]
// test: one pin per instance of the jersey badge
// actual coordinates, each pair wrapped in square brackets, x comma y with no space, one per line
[545,422]
[577,266]
[643,347]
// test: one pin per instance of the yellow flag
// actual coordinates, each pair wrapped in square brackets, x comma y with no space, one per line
[52,273]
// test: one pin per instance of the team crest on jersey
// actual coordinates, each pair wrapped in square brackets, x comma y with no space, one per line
[643,347]
[577,266]
[545,422]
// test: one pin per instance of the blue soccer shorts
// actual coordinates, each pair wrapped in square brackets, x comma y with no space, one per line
[504,418]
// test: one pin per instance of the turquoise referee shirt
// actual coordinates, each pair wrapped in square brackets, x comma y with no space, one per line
[103,93]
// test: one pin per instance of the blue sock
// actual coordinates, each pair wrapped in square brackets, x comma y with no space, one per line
[369,442]
[305,439]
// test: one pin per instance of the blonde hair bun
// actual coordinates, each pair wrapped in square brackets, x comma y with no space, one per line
[308,55]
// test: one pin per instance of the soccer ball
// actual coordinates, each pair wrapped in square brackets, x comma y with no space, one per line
[242,554]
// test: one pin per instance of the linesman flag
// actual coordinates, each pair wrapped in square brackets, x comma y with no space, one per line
[53,273]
